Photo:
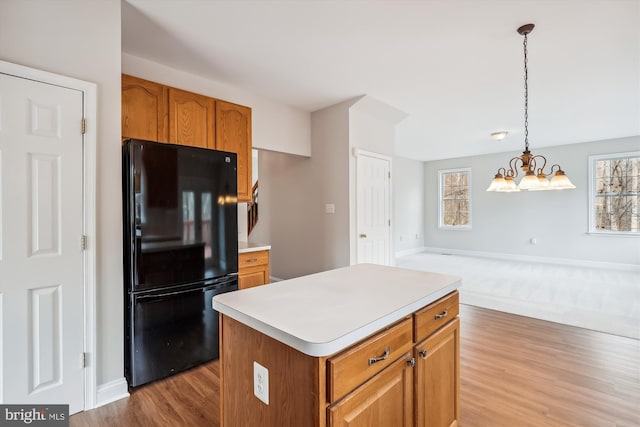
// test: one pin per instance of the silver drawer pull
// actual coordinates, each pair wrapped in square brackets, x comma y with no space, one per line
[385,356]
[252,260]
[442,315]
[423,354]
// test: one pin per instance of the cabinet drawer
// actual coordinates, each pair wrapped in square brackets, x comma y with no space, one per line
[251,259]
[432,317]
[354,366]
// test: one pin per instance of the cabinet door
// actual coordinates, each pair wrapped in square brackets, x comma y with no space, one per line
[191,119]
[437,381]
[255,276]
[384,400]
[233,133]
[144,109]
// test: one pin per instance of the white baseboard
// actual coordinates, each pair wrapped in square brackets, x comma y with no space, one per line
[411,251]
[539,259]
[111,391]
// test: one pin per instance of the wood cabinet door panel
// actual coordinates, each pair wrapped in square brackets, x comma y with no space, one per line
[437,380]
[233,133]
[144,109]
[384,400]
[251,279]
[192,119]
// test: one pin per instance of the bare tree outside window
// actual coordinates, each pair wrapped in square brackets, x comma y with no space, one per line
[455,190]
[616,198]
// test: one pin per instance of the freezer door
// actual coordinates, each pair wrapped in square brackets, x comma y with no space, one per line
[172,330]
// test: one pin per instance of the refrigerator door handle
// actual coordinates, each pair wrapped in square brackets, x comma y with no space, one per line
[168,294]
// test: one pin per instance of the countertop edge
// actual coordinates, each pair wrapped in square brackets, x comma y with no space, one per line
[342,342]
[246,247]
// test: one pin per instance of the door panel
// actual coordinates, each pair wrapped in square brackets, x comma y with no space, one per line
[41,263]
[373,209]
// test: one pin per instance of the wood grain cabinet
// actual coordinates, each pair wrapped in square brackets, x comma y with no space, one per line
[253,269]
[437,364]
[144,109]
[384,400]
[157,112]
[233,133]
[191,119]
[371,383]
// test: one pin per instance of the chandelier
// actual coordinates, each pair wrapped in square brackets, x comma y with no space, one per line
[533,166]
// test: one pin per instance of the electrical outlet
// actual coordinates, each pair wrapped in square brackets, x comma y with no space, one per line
[261,382]
[329,208]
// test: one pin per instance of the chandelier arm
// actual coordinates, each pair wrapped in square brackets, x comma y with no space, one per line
[513,167]
[544,165]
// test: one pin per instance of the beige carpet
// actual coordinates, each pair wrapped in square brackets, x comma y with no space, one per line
[606,300]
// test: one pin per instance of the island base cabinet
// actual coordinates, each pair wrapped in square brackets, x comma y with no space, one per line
[437,378]
[384,400]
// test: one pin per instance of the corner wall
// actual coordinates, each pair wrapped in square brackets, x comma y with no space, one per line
[408,207]
[81,39]
[504,223]
[293,193]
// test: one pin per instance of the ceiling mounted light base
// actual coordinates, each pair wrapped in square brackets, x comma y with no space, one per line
[525,29]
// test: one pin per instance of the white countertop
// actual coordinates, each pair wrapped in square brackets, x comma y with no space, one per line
[251,247]
[323,313]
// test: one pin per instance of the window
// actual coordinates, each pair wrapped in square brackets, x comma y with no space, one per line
[454,205]
[614,193]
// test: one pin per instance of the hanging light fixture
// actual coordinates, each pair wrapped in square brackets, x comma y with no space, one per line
[535,178]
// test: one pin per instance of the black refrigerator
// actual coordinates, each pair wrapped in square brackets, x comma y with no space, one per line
[180,249]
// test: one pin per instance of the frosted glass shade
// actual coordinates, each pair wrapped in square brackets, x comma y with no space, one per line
[497,184]
[529,182]
[561,182]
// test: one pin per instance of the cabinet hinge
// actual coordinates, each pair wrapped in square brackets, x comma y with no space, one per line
[83,359]
[83,126]
[83,242]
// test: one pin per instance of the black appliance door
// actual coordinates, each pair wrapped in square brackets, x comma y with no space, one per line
[181,220]
[172,331]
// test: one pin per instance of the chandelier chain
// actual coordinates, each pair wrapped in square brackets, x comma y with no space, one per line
[526,96]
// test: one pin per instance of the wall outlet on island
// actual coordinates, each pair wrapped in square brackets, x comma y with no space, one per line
[261,382]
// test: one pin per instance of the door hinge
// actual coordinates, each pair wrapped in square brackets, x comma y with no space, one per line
[83,126]
[83,242]
[389,175]
[83,359]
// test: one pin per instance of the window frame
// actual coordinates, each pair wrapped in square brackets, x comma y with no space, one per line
[441,224]
[592,194]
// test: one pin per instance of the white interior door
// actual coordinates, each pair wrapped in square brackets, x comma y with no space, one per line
[41,260]
[373,208]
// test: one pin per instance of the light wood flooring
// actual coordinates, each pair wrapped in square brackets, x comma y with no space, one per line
[515,371]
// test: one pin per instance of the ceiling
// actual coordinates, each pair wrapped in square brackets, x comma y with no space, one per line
[454,67]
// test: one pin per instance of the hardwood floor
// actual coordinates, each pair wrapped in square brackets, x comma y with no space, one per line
[515,371]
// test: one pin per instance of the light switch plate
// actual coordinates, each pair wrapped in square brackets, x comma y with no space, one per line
[261,382]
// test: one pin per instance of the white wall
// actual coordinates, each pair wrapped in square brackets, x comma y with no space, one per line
[505,222]
[293,193]
[408,191]
[275,126]
[81,39]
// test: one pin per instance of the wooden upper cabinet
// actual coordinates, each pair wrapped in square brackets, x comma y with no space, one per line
[144,109]
[191,119]
[233,133]
[162,113]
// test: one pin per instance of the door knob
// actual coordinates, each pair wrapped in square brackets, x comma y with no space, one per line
[363,236]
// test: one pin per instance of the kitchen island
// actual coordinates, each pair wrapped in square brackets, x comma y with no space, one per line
[366,345]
